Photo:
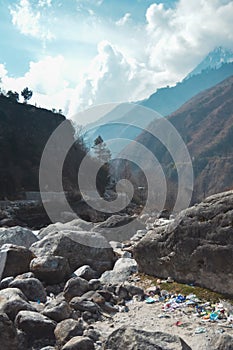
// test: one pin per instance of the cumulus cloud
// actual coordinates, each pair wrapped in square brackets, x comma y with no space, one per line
[30,20]
[133,62]
[111,77]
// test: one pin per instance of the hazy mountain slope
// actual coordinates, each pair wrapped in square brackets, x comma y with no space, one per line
[206,125]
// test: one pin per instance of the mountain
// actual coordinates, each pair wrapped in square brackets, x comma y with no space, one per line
[24,132]
[126,121]
[214,60]
[205,123]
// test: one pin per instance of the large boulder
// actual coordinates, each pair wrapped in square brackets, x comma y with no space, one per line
[222,342]
[35,325]
[123,268]
[32,288]
[74,225]
[79,247]
[136,339]
[12,300]
[196,248]
[14,260]
[119,227]
[57,309]
[50,269]
[8,333]
[18,236]
[79,343]
[68,329]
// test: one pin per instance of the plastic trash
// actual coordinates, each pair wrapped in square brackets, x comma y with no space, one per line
[213,316]
[150,300]
[200,330]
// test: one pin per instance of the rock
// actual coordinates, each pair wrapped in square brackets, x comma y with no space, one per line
[74,225]
[57,309]
[119,228]
[75,286]
[92,334]
[12,300]
[222,342]
[8,333]
[67,329]
[35,325]
[79,343]
[197,247]
[83,305]
[94,284]
[18,236]
[32,288]
[131,338]
[134,290]
[48,348]
[80,248]
[14,260]
[86,272]
[123,268]
[50,269]
[5,282]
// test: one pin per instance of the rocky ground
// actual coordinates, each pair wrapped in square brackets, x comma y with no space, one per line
[71,286]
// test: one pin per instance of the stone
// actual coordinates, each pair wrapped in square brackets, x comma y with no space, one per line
[35,325]
[32,288]
[79,247]
[14,260]
[79,343]
[8,333]
[50,269]
[136,339]
[134,290]
[57,309]
[86,272]
[94,284]
[17,235]
[119,227]
[122,269]
[74,225]
[75,286]
[12,300]
[222,342]
[197,247]
[92,334]
[67,329]
[5,282]
[84,305]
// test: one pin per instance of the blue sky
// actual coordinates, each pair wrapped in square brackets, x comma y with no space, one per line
[78,53]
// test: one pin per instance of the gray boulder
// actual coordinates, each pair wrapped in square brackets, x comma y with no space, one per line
[14,260]
[57,309]
[86,272]
[8,333]
[196,248]
[222,342]
[80,248]
[119,228]
[50,269]
[136,339]
[35,325]
[12,300]
[18,236]
[79,343]
[123,268]
[74,225]
[68,329]
[32,288]
[75,286]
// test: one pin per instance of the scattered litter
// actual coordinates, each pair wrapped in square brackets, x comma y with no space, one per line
[200,330]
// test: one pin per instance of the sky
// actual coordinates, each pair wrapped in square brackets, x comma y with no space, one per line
[74,54]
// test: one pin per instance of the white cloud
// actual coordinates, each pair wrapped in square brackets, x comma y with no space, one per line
[111,77]
[131,63]
[125,19]
[31,20]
